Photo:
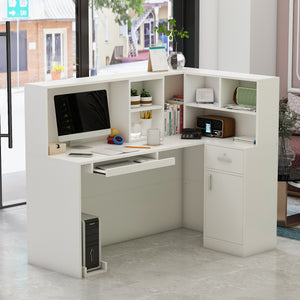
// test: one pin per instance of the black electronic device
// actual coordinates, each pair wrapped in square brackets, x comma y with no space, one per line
[82,115]
[91,242]
[191,133]
[216,126]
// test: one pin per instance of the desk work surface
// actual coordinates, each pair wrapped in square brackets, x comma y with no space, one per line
[169,143]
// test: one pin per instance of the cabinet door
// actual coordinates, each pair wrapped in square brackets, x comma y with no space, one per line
[224,207]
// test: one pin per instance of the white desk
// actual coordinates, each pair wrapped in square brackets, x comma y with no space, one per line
[232,200]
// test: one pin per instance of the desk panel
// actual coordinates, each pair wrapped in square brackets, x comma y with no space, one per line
[135,205]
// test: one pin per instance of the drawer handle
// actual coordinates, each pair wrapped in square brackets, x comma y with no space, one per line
[210,182]
[225,159]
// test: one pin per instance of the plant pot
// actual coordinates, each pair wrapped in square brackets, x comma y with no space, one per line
[135,101]
[56,75]
[146,101]
[176,60]
[286,156]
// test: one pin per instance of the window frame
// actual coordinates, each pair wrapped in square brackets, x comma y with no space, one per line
[186,14]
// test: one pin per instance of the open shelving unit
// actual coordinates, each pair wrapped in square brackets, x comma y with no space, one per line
[156,89]
[223,95]
[163,86]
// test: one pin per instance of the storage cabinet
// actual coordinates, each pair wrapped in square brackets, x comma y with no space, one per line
[224,207]
[224,198]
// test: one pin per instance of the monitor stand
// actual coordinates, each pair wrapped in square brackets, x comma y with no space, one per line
[78,146]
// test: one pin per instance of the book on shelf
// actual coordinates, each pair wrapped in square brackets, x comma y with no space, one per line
[173,118]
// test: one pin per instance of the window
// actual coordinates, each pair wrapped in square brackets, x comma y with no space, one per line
[22,52]
[128,45]
[133,47]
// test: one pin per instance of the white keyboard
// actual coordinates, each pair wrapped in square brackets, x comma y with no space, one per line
[105,151]
[111,152]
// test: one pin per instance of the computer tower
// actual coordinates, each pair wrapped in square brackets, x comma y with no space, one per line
[91,242]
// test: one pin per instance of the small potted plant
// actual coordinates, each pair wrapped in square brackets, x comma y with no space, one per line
[146,99]
[56,71]
[135,99]
[176,60]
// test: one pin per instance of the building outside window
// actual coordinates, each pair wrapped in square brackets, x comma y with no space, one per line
[128,46]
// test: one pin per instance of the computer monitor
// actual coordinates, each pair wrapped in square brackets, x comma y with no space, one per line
[82,115]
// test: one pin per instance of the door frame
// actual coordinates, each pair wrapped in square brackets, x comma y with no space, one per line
[63,32]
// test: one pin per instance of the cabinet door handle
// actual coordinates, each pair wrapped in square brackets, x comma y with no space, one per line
[210,182]
[225,159]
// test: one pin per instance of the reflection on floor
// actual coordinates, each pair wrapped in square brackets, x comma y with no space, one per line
[171,265]
[14,187]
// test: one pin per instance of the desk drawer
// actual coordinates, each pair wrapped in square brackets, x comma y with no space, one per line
[131,166]
[225,159]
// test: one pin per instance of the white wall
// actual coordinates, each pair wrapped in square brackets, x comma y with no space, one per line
[238,35]
[233,35]
[264,44]
[208,55]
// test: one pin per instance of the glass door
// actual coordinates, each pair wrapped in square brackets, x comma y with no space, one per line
[12,155]
[36,46]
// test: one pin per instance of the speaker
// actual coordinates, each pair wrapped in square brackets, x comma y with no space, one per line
[216,126]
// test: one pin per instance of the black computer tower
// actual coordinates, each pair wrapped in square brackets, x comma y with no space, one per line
[91,242]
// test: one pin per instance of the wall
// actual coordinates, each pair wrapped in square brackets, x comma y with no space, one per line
[233,34]
[263,36]
[238,35]
[35,58]
[208,56]
[282,45]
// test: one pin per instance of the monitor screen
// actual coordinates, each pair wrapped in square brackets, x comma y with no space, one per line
[82,115]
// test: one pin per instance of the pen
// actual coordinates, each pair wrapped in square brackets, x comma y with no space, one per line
[139,147]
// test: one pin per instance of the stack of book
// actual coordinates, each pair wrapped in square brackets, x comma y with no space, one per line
[173,115]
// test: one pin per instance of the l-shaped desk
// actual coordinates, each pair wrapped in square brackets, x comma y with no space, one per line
[225,188]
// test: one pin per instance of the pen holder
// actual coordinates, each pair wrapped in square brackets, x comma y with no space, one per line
[145,124]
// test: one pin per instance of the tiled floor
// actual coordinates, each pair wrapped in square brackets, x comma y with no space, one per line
[171,265]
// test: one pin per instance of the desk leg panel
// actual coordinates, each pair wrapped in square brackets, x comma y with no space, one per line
[193,188]
[54,216]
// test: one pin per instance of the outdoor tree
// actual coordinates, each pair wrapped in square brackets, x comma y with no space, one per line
[120,8]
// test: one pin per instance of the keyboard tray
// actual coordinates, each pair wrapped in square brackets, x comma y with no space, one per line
[132,166]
